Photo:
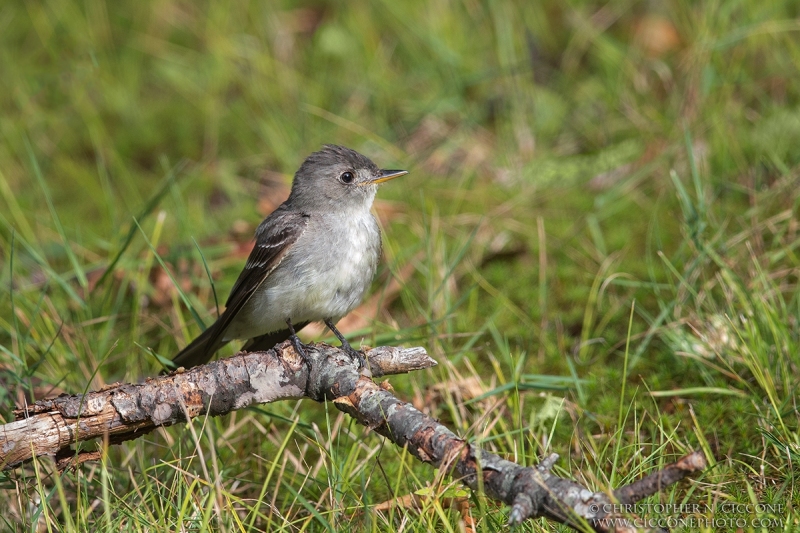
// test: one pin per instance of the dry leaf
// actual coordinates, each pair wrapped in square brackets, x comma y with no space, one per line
[460,389]
[656,35]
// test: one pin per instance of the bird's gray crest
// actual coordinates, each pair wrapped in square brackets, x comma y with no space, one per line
[333,155]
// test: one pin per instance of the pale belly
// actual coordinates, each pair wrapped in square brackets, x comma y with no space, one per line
[318,278]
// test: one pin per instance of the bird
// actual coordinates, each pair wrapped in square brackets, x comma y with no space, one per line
[314,259]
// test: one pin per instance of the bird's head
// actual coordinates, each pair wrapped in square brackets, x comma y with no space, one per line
[338,177]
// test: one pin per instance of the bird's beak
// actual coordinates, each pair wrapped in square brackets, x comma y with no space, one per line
[386,175]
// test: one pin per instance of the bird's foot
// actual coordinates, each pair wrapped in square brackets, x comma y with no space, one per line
[356,355]
[299,347]
[349,350]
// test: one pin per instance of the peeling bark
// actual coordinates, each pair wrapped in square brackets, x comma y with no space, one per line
[126,411]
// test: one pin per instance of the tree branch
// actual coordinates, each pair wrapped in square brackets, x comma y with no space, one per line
[127,411]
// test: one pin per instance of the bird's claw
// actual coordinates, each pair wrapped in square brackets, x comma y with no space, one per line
[301,351]
[298,345]
[349,350]
[358,356]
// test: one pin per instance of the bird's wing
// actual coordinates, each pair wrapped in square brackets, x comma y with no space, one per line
[274,238]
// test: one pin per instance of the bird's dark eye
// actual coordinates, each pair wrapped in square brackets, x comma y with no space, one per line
[347,177]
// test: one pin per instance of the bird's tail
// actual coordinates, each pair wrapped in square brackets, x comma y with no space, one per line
[200,350]
[265,342]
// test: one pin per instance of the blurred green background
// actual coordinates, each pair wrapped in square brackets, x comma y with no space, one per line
[598,241]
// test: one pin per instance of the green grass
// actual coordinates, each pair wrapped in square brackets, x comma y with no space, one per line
[598,242]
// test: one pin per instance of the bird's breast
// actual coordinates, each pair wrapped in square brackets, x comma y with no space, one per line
[347,264]
[325,274]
